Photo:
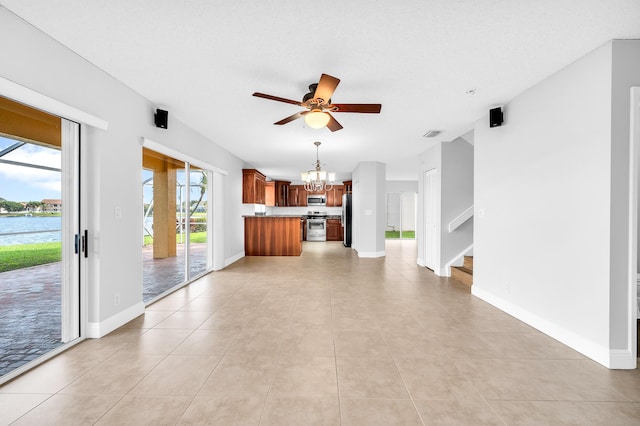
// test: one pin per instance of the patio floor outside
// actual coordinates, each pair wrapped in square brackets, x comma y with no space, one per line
[30,312]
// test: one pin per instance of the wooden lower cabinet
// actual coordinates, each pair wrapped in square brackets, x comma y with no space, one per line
[272,236]
[334,230]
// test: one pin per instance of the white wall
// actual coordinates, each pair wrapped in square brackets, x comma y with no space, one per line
[625,74]
[548,247]
[454,180]
[114,156]
[457,196]
[368,209]
[401,186]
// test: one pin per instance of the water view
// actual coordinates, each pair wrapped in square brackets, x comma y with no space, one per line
[30,229]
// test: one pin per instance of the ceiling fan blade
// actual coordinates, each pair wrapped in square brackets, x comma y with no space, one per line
[365,108]
[333,124]
[291,118]
[276,98]
[326,86]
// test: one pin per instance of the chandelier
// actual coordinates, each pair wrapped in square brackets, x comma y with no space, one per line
[318,179]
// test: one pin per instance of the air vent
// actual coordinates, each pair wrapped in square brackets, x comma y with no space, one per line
[432,133]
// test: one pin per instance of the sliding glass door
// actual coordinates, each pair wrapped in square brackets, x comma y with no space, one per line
[175,223]
[401,215]
[39,227]
[198,221]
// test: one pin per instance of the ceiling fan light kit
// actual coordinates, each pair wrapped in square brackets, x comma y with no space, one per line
[318,104]
[316,119]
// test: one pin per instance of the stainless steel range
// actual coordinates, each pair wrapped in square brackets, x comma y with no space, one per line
[316,226]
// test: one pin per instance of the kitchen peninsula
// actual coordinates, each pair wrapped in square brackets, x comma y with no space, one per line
[273,235]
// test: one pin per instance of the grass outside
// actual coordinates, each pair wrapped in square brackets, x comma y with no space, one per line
[34,214]
[26,255]
[396,234]
[196,237]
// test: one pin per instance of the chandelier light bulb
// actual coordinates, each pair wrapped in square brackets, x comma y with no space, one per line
[316,180]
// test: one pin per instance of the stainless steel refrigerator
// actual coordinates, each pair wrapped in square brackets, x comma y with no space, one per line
[345,220]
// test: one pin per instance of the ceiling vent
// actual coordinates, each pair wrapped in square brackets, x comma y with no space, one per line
[432,133]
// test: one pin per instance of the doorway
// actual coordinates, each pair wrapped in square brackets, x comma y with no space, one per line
[401,215]
[40,238]
[176,218]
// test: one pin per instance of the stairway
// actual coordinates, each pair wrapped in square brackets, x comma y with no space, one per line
[464,273]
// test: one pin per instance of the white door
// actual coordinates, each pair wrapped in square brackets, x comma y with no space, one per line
[430,236]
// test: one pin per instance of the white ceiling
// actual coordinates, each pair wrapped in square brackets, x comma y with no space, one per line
[202,59]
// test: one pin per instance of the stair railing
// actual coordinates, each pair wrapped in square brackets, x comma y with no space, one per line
[461,218]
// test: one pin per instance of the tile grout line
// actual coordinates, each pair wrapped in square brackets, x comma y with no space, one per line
[275,370]
[335,356]
[415,407]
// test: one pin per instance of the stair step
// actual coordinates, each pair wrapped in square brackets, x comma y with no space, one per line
[462,274]
[468,262]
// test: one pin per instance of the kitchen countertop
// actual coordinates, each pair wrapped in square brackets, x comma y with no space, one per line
[276,215]
[304,216]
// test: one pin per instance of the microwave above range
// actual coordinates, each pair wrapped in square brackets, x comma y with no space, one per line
[316,200]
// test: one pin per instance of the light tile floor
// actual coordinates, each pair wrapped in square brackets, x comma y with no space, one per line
[323,339]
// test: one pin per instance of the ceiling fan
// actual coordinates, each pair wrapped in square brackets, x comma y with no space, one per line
[318,104]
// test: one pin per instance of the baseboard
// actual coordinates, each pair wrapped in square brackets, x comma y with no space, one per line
[614,359]
[96,330]
[233,258]
[371,254]
[444,272]
[622,359]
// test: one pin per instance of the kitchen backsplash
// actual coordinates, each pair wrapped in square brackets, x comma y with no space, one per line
[331,211]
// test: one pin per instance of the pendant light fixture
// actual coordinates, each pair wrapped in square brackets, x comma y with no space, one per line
[318,179]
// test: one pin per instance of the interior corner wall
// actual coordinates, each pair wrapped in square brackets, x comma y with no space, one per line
[114,159]
[543,181]
[368,209]
[456,196]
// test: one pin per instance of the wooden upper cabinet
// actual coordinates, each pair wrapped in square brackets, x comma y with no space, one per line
[334,197]
[297,196]
[253,186]
[348,186]
[270,194]
[281,193]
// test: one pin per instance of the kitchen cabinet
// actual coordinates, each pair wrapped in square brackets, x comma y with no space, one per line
[297,196]
[270,194]
[303,229]
[348,186]
[334,230]
[253,186]
[334,197]
[281,193]
[272,236]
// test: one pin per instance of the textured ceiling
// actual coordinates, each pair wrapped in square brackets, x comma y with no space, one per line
[202,60]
